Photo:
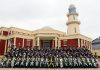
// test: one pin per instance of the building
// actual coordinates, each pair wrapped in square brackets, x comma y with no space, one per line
[96,46]
[96,43]
[46,37]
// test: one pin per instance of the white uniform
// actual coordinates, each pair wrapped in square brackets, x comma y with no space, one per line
[61,62]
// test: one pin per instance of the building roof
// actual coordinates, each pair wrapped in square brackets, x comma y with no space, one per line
[97,40]
[96,43]
[48,30]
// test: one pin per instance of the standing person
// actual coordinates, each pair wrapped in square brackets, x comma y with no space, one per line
[61,62]
[13,62]
[31,63]
[65,62]
[42,61]
[22,63]
[1,63]
[36,61]
[38,58]
[27,62]
[56,61]
[4,62]
[51,64]
[47,61]
[8,62]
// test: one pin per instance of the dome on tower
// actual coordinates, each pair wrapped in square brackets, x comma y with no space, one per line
[72,8]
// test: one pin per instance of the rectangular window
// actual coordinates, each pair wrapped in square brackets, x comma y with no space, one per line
[65,42]
[75,29]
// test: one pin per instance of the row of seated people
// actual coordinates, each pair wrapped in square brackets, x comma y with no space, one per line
[62,58]
[64,52]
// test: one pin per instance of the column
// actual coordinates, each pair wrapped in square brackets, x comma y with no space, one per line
[38,42]
[53,43]
[90,46]
[5,47]
[81,43]
[87,44]
[14,42]
[78,43]
[8,45]
[23,43]
[59,44]
[84,43]
[33,43]
[56,42]
[2,33]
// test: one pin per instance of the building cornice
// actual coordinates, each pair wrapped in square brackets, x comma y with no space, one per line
[73,22]
[72,14]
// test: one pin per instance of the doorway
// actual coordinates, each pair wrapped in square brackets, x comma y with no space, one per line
[46,44]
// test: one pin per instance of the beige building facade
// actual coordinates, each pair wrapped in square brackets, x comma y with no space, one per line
[46,37]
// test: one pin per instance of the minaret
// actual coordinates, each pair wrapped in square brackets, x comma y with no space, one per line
[73,23]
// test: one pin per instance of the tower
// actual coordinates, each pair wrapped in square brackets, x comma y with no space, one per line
[73,23]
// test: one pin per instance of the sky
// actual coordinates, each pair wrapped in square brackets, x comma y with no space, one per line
[35,14]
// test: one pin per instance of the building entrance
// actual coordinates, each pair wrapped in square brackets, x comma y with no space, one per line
[46,44]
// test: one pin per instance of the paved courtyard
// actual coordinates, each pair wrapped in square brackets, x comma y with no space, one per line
[50,69]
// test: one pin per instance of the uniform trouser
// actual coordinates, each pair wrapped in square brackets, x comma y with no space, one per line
[51,64]
[22,65]
[31,65]
[45,65]
[65,64]
[61,65]
[41,64]
[17,65]
[56,64]
[37,64]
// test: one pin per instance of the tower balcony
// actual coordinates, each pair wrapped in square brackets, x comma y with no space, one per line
[72,14]
[73,22]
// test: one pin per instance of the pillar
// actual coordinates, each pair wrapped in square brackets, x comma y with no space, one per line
[59,43]
[56,42]
[33,43]
[53,44]
[84,43]
[81,43]
[1,32]
[87,44]
[23,43]
[8,46]
[14,42]
[5,47]
[38,42]
[90,46]
[78,43]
